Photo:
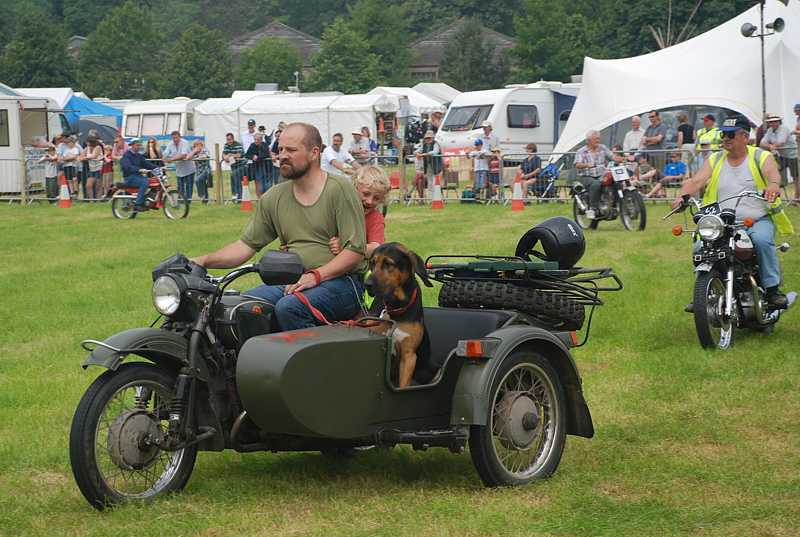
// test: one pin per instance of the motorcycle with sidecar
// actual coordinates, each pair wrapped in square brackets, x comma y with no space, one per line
[219,374]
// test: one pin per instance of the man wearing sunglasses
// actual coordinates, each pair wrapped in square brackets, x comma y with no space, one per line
[737,168]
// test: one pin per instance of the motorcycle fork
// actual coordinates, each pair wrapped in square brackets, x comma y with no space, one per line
[729,286]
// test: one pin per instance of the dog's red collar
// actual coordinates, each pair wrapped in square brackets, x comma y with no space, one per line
[400,311]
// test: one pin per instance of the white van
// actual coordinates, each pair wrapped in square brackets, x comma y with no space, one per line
[159,117]
[519,115]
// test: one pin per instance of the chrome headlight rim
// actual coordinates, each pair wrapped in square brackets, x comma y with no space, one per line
[710,227]
[167,294]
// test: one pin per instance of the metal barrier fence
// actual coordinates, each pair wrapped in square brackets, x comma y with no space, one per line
[658,173]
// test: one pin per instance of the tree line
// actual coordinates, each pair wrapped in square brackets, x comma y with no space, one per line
[146,49]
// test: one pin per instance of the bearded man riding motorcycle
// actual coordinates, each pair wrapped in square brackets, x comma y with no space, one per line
[740,167]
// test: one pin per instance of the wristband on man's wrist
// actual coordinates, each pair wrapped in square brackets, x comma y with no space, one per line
[316,274]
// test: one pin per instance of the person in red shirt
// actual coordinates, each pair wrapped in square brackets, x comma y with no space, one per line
[372,186]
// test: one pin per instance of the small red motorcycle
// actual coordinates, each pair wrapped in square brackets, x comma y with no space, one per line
[158,196]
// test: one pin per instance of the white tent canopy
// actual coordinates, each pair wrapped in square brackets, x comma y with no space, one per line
[438,91]
[418,103]
[330,113]
[718,68]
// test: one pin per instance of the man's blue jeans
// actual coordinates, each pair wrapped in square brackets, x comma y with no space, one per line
[263,180]
[237,174]
[137,181]
[186,187]
[202,186]
[338,299]
[763,236]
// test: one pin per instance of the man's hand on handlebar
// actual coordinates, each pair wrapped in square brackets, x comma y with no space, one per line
[681,201]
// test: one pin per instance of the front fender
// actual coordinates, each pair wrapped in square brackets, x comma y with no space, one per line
[471,395]
[164,348]
[703,267]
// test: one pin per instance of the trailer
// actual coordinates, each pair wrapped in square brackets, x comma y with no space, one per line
[519,114]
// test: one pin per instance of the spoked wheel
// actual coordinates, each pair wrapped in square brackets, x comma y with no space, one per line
[112,444]
[632,211]
[580,215]
[175,205]
[526,430]
[122,205]
[713,328]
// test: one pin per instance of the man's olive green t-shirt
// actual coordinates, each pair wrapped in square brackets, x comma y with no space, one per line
[306,230]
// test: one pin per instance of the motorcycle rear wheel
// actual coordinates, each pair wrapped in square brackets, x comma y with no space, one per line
[632,211]
[122,205]
[175,205]
[111,458]
[709,305]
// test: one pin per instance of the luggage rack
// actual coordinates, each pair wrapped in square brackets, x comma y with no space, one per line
[582,285]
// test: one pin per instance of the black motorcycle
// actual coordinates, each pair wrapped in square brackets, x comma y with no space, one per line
[727,292]
[617,198]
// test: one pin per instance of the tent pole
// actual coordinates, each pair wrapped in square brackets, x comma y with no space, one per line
[763,67]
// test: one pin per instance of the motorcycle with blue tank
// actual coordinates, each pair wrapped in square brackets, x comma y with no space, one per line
[218,373]
[728,293]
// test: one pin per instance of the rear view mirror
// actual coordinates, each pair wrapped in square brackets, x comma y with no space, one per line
[280,268]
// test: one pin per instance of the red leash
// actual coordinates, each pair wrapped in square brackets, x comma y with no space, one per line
[319,316]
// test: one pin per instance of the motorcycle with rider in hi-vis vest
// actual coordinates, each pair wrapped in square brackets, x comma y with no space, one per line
[735,257]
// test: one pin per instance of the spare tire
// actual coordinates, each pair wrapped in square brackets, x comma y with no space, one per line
[551,309]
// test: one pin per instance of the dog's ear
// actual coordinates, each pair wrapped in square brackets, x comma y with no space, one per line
[419,268]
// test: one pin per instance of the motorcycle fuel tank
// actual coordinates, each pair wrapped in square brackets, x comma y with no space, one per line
[323,381]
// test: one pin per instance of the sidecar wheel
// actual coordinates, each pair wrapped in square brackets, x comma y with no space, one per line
[526,430]
[110,449]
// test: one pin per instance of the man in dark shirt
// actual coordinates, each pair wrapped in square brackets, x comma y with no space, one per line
[134,165]
[259,153]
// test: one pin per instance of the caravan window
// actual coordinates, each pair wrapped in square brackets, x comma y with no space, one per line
[189,123]
[152,124]
[523,116]
[465,118]
[5,135]
[173,123]
[132,125]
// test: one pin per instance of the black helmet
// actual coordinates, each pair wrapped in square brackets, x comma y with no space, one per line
[560,238]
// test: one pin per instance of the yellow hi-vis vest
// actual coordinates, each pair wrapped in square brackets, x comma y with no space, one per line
[712,136]
[755,159]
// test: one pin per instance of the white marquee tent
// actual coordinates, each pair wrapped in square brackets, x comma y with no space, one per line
[329,113]
[718,68]
[418,103]
[438,91]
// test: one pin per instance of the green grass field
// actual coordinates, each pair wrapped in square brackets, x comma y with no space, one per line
[688,442]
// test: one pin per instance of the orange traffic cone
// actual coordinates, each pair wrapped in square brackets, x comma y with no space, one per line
[517,203]
[64,201]
[436,198]
[247,203]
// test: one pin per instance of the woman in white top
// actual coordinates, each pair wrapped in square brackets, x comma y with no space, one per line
[69,159]
[93,155]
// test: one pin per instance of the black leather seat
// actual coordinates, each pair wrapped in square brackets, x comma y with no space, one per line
[446,326]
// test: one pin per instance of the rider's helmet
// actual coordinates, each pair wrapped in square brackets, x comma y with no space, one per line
[560,238]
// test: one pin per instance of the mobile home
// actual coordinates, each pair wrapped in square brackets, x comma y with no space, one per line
[158,118]
[519,115]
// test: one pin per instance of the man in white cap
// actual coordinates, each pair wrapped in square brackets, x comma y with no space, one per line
[359,147]
[490,141]
[778,139]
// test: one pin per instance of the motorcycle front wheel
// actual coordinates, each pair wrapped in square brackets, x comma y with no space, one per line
[580,215]
[175,205]
[632,211]
[122,205]
[112,443]
[713,330]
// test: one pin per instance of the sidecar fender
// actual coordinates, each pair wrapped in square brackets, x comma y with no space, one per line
[471,396]
[167,349]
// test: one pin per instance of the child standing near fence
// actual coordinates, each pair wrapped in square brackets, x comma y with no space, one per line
[107,172]
[50,161]
[480,163]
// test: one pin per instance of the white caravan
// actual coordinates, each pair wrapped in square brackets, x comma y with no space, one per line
[519,115]
[159,117]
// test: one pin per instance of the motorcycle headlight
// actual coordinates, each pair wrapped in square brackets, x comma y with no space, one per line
[166,295]
[710,228]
